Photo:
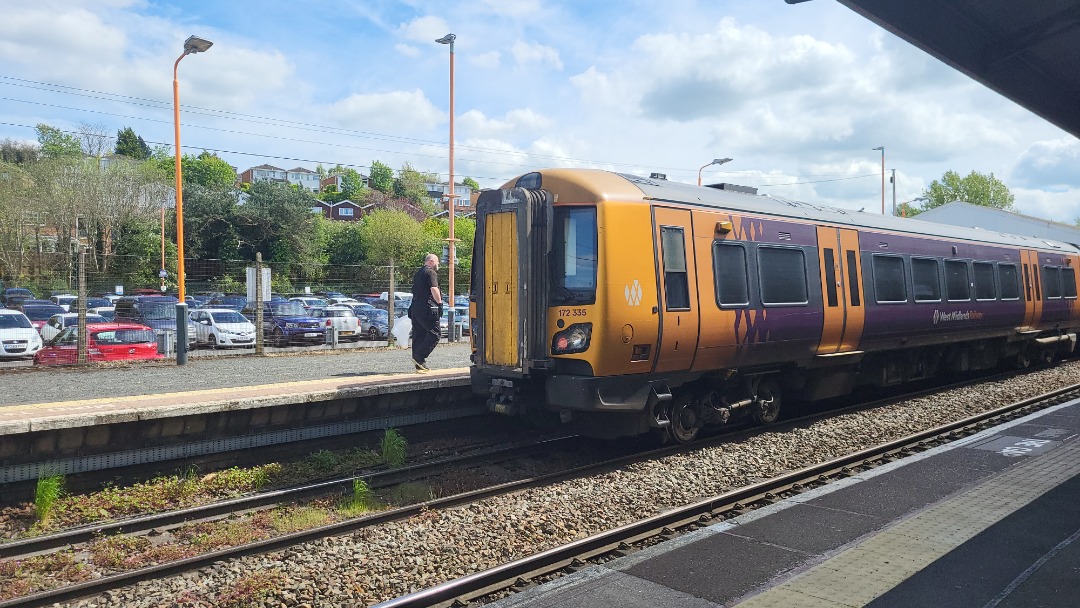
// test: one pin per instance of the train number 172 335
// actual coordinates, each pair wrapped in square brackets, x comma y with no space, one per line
[572,312]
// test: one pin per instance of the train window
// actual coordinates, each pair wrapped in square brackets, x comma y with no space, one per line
[830,278]
[1068,281]
[782,275]
[673,249]
[853,278]
[984,281]
[574,256]
[957,283]
[889,282]
[1008,278]
[926,279]
[729,267]
[1051,282]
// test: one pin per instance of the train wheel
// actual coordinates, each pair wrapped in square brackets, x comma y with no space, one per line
[685,421]
[767,408]
[1047,356]
[1023,359]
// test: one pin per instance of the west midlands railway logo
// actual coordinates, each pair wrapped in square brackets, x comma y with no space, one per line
[633,293]
[956,315]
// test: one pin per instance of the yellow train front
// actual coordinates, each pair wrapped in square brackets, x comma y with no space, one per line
[623,304]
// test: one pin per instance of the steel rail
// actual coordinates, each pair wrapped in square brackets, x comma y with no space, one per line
[461,590]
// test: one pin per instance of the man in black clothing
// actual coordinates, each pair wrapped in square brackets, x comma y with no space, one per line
[425,310]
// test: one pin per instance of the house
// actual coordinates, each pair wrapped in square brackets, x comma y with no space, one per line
[346,210]
[306,179]
[263,173]
[462,196]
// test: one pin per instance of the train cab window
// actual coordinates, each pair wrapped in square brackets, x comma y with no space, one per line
[574,256]
[1051,279]
[782,276]
[890,284]
[1068,283]
[957,283]
[676,288]
[926,280]
[1009,280]
[729,268]
[984,281]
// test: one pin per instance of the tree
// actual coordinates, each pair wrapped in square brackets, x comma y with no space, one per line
[94,139]
[382,177]
[392,238]
[470,182]
[411,185]
[976,189]
[57,144]
[18,152]
[130,144]
[206,169]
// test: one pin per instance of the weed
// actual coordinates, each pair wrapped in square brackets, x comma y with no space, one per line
[361,501]
[410,493]
[394,448]
[48,491]
[251,589]
[325,461]
[299,518]
[115,552]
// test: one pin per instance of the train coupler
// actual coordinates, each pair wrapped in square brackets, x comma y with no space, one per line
[502,397]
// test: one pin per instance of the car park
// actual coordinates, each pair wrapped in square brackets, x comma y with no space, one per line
[461,321]
[286,323]
[105,342]
[59,322]
[156,312]
[109,312]
[16,292]
[222,327]
[233,301]
[38,311]
[18,337]
[91,302]
[309,302]
[373,324]
[342,319]
[63,300]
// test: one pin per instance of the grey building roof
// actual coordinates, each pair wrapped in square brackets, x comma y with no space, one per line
[959,213]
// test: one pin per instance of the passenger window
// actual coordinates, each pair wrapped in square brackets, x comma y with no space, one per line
[889,281]
[1052,282]
[673,250]
[830,278]
[926,280]
[984,281]
[853,278]
[729,267]
[1008,278]
[782,275]
[957,283]
[1068,282]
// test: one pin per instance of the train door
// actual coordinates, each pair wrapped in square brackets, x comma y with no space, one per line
[673,242]
[500,304]
[841,290]
[1032,288]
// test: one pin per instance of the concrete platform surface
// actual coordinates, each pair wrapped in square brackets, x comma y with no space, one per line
[990,521]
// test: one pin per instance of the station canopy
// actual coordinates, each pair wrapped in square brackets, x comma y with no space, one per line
[1026,50]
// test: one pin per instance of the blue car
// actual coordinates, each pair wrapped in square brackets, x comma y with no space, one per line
[286,323]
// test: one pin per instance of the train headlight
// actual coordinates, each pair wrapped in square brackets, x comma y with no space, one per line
[573,339]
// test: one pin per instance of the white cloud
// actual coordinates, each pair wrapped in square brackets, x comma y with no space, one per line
[525,53]
[424,29]
[1054,164]
[1063,206]
[407,49]
[515,122]
[513,8]
[489,60]
[393,112]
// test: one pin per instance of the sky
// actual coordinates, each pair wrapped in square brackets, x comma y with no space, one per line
[797,95]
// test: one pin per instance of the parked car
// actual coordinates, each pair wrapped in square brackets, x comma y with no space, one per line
[156,312]
[109,312]
[59,322]
[38,311]
[310,302]
[341,318]
[14,300]
[18,337]
[91,302]
[15,291]
[222,327]
[105,342]
[231,301]
[63,300]
[373,325]
[111,297]
[287,323]
[461,320]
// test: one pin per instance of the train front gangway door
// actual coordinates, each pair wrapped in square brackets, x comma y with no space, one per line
[501,327]
[841,290]
[678,302]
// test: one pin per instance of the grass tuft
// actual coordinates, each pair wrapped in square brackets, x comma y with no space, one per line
[48,492]
[394,448]
[362,499]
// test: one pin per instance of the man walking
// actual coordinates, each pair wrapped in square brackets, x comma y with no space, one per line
[425,310]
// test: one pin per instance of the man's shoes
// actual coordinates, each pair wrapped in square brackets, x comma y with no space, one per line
[420,367]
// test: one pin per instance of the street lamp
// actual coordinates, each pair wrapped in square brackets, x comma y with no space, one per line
[193,44]
[882,148]
[715,161]
[450,326]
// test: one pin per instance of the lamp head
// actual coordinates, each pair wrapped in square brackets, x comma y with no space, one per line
[194,44]
[447,39]
[720,161]
[882,148]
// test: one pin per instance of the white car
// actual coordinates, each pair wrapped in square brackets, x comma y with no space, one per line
[64,300]
[60,322]
[217,327]
[341,317]
[109,312]
[18,338]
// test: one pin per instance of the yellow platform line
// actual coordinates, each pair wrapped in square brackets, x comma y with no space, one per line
[858,575]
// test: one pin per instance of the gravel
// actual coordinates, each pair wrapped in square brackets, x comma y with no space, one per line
[385,561]
[40,385]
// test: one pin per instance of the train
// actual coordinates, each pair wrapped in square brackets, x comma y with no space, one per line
[622,305]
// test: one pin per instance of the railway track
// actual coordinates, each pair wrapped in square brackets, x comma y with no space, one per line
[337,487]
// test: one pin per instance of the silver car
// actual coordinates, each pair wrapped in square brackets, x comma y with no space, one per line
[222,327]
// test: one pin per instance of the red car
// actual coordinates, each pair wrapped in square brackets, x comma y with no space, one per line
[107,342]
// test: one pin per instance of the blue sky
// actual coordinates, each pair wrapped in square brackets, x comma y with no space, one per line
[797,95]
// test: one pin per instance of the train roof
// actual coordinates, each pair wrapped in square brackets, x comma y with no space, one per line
[594,185]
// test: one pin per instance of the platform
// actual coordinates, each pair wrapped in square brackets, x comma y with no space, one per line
[989,521]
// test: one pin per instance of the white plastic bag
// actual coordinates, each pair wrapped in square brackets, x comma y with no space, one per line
[402,329]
